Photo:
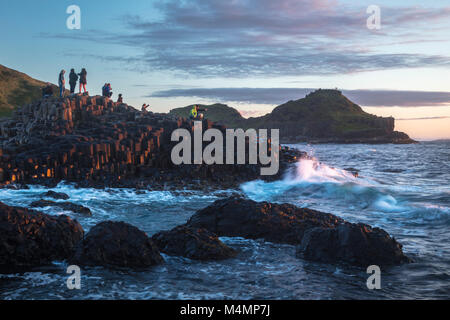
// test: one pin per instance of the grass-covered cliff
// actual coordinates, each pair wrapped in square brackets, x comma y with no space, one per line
[216,112]
[17,89]
[321,116]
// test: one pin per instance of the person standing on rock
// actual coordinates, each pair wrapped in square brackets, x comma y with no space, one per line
[73,78]
[83,79]
[120,99]
[62,83]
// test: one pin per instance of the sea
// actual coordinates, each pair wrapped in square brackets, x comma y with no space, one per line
[404,189]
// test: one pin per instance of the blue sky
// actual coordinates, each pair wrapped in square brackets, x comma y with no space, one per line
[251,54]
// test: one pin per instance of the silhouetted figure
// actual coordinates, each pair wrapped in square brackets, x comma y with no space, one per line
[144,107]
[107,90]
[83,79]
[62,83]
[47,91]
[120,98]
[73,78]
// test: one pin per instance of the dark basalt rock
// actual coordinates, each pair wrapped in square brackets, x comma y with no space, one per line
[281,223]
[117,244]
[356,244]
[98,143]
[55,195]
[68,206]
[319,236]
[29,238]
[192,243]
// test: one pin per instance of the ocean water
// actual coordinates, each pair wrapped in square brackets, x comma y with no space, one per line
[404,189]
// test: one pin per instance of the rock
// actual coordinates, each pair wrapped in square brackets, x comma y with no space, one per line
[95,142]
[320,236]
[197,244]
[67,206]
[355,244]
[280,223]
[55,195]
[117,244]
[323,116]
[29,238]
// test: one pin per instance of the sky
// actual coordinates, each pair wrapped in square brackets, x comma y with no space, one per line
[250,54]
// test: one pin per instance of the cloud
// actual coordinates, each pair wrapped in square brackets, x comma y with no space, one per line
[375,98]
[266,38]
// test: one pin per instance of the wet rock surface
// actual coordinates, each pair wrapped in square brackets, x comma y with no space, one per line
[117,244]
[67,206]
[193,243]
[29,238]
[319,236]
[280,223]
[55,195]
[356,244]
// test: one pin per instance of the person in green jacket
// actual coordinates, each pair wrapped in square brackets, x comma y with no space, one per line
[195,115]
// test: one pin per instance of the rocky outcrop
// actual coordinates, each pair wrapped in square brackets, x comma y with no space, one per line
[117,244]
[55,195]
[96,142]
[281,223]
[319,236]
[327,116]
[356,244]
[323,116]
[192,243]
[67,206]
[30,238]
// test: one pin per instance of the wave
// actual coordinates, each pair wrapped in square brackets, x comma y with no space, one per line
[317,185]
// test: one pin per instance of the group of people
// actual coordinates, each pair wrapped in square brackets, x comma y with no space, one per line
[73,79]
[107,90]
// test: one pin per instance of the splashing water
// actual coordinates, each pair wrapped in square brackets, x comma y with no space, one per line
[311,170]
[403,189]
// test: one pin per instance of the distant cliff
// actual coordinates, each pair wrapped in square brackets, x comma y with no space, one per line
[322,116]
[17,89]
[218,112]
